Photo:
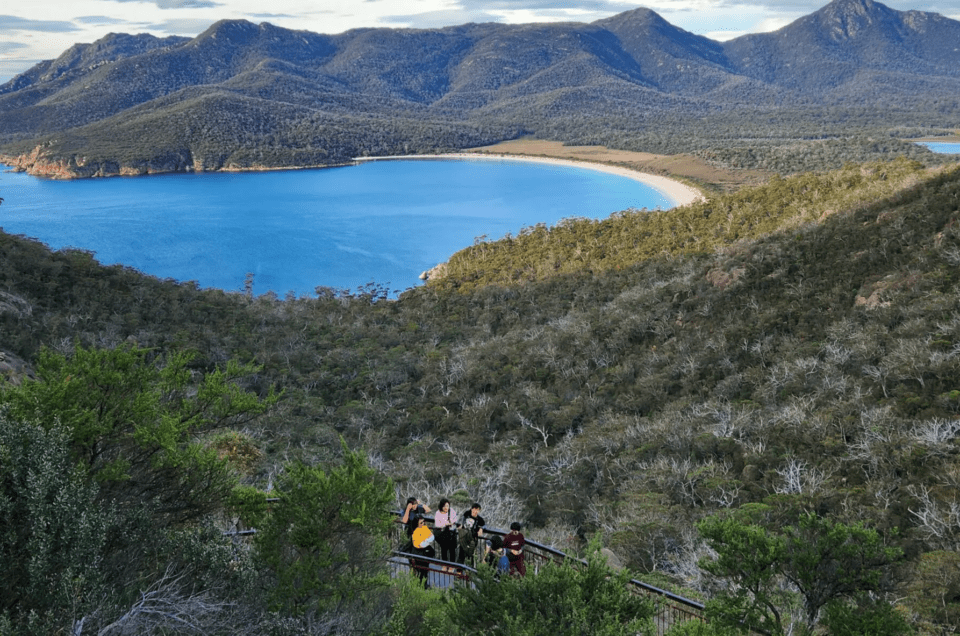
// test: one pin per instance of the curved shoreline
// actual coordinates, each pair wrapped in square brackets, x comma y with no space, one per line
[679,193]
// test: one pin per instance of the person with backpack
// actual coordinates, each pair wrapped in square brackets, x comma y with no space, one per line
[469,534]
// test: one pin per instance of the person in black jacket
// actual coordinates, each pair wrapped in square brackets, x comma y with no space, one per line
[469,534]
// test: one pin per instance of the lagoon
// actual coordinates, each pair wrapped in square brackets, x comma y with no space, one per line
[942,147]
[383,222]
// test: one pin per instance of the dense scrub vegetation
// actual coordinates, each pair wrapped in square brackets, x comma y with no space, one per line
[780,140]
[214,132]
[584,244]
[790,349]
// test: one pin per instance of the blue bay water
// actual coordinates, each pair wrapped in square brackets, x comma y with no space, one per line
[942,147]
[383,222]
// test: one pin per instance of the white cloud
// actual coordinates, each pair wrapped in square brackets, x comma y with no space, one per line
[180,26]
[177,4]
[770,24]
[723,34]
[6,48]
[525,16]
[42,29]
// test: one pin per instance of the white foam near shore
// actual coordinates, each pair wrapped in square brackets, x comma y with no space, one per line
[679,193]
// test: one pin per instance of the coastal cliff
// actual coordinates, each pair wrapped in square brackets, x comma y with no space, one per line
[43,163]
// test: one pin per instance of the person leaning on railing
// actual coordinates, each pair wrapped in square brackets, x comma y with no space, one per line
[514,543]
[423,539]
[414,510]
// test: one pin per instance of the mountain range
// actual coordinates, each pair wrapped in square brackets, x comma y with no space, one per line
[241,95]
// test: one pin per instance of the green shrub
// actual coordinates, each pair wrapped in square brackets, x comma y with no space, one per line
[558,599]
[52,533]
[699,628]
[325,539]
[417,610]
[867,617]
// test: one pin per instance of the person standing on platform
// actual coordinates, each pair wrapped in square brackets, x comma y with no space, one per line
[470,533]
[413,511]
[445,527]
[423,539]
[514,543]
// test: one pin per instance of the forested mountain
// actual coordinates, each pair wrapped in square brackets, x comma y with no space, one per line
[241,95]
[786,350]
[854,49]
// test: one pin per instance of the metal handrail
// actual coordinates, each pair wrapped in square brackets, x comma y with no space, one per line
[673,607]
[464,570]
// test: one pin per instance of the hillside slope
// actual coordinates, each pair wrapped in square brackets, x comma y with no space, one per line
[811,365]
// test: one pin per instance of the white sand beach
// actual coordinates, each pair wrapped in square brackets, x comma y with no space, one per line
[679,193]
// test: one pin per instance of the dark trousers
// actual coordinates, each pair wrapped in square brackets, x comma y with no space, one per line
[422,568]
[517,566]
[466,555]
[448,545]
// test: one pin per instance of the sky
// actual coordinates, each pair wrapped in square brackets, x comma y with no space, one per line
[36,30]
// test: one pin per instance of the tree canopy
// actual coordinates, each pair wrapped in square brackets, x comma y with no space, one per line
[565,598]
[101,456]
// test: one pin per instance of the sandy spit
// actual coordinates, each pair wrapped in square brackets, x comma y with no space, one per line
[679,193]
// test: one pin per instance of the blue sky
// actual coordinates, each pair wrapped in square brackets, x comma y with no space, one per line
[36,30]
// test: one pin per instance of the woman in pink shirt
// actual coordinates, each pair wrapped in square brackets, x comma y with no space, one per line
[445,525]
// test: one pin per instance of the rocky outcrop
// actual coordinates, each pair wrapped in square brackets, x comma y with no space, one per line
[13,369]
[14,305]
[435,273]
[36,163]
[42,163]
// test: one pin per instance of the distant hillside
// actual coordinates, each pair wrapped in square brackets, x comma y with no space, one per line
[241,95]
[854,49]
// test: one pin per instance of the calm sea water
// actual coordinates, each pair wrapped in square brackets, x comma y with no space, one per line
[942,147]
[383,222]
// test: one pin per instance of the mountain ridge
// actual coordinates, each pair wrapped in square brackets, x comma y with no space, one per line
[474,83]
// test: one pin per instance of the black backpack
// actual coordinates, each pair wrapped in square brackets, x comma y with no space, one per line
[468,540]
